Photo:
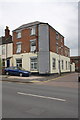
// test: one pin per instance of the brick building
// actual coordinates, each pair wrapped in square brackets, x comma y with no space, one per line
[38,47]
[76,60]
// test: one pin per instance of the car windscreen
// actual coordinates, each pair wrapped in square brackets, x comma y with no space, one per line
[20,68]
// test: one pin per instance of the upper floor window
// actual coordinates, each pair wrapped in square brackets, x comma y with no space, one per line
[68,53]
[54,63]
[3,49]
[33,31]
[32,45]
[61,39]
[57,36]
[18,50]
[61,51]
[19,35]
[65,52]
[57,48]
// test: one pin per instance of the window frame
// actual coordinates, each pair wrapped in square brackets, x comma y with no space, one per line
[57,36]
[33,31]
[53,63]
[19,35]
[57,49]
[18,64]
[33,63]
[17,44]
[3,49]
[32,47]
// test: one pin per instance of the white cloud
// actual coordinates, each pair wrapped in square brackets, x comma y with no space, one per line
[60,15]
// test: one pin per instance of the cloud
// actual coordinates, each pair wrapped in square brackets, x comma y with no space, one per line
[63,16]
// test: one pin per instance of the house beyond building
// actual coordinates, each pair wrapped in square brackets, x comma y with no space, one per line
[6,48]
[76,60]
[38,47]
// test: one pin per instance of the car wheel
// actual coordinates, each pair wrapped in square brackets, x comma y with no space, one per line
[7,73]
[21,74]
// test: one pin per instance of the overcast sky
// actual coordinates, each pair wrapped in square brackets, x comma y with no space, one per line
[60,14]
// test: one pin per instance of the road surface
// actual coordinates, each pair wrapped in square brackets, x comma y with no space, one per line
[56,98]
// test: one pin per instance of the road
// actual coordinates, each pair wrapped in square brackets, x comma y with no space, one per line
[49,99]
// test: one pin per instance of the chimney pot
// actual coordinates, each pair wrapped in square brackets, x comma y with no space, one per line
[7,32]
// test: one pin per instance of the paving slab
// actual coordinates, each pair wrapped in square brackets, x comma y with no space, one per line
[30,79]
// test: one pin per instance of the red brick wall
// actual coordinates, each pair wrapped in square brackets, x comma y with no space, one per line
[25,39]
[53,42]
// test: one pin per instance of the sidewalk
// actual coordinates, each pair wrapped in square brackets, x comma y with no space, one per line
[30,79]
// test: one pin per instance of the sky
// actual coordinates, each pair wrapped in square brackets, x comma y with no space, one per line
[62,15]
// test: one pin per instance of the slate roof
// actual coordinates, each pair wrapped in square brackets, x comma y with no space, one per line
[28,25]
[5,41]
[32,24]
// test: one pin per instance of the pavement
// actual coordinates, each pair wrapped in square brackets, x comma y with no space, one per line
[31,79]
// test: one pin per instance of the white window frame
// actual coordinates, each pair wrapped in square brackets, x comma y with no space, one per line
[54,63]
[61,39]
[3,49]
[33,62]
[32,46]
[57,50]
[18,49]
[19,62]
[33,31]
[18,34]
[57,35]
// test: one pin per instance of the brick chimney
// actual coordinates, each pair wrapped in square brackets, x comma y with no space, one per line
[7,32]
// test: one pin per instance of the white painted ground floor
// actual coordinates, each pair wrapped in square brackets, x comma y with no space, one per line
[55,64]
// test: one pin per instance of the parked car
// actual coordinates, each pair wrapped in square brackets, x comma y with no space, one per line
[18,71]
[79,77]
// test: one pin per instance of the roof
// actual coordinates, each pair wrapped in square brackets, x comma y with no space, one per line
[75,57]
[32,24]
[66,47]
[27,25]
[5,41]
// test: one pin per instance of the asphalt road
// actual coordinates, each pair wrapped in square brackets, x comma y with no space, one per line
[40,100]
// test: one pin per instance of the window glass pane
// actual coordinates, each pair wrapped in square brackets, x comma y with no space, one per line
[33,63]
[19,62]
[57,36]
[19,35]
[33,45]
[33,31]
[18,48]
[54,63]
[3,50]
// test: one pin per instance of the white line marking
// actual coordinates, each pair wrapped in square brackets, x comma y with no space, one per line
[20,93]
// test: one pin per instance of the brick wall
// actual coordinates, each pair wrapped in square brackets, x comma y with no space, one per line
[25,39]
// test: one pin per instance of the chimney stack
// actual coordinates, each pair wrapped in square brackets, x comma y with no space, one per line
[7,32]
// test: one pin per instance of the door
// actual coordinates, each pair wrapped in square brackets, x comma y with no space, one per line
[8,63]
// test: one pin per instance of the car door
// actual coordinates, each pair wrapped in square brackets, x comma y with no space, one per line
[16,71]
